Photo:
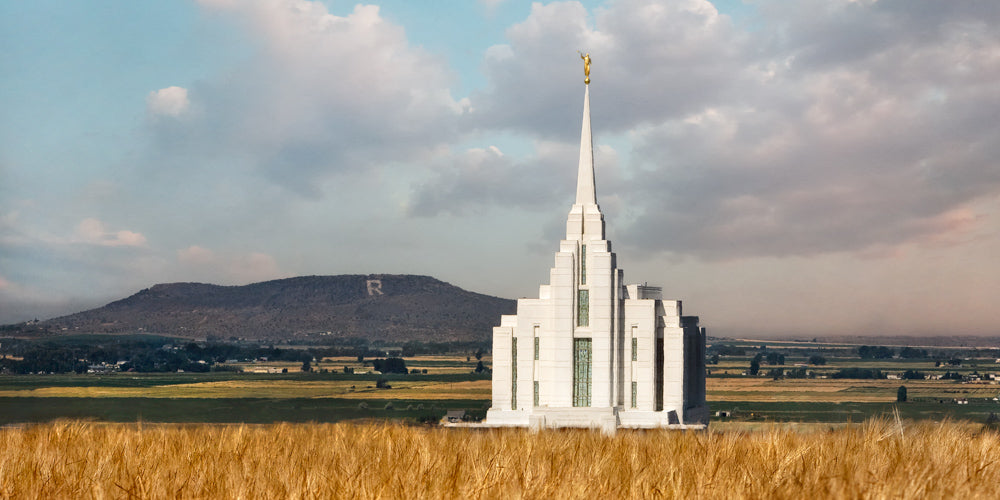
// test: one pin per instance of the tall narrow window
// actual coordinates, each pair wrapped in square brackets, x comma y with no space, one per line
[581,372]
[583,264]
[536,343]
[635,349]
[658,382]
[583,308]
[536,393]
[635,394]
[513,373]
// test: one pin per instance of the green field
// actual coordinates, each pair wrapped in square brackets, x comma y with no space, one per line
[232,397]
[227,410]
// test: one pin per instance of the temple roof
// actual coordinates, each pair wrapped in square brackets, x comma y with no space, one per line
[586,193]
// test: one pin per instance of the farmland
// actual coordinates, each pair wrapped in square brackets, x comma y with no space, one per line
[877,459]
[344,388]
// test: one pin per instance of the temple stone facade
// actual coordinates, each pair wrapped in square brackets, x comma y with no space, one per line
[592,351]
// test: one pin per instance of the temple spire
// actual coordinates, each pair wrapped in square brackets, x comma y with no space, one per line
[585,192]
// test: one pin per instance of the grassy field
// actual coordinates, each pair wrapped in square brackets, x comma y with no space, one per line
[415,388]
[841,390]
[334,396]
[877,459]
[229,410]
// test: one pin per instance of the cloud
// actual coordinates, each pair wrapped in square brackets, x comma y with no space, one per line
[170,101]
[831,127]
[478,177]
[652,60]
[322,94]
[94,232]
[846,145]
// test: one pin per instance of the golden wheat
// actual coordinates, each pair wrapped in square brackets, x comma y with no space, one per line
[877,459]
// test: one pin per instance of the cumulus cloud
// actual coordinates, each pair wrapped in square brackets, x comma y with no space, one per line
[93,231]
[322,94]
[651,59]
[831,127]
[852,140]
[170,101]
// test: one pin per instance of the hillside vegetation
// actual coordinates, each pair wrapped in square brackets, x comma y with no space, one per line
[374,307]
[877,459]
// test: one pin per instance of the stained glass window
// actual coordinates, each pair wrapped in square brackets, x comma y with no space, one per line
[635,349]
[581,372]
[635,394]
[536,393]
[513,373]
[583,308]
[583,264]
[536,343]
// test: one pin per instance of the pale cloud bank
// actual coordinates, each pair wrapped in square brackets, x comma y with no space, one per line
[323,94]
[93,231]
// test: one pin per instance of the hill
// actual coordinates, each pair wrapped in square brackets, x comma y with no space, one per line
[376,307]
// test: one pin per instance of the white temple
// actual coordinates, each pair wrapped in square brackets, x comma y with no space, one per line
[591,351]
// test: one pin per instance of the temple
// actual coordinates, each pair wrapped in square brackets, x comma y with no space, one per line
[592,351]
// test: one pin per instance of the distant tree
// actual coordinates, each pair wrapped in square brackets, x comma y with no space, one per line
[727,350]
[817,360]
[913,375]
[714,359]
[776,373]
[754,366]
[382,384]
[858,373]
[390,365]
[480,368]
[479,355]
[306,367]
[284,370]
[361,358]
[348,369]
[901,394]
[911,353]
[774,358]
[874,352]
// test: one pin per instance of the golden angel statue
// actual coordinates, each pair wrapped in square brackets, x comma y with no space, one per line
[586,66]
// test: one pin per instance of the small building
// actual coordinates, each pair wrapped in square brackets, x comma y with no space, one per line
[454,416]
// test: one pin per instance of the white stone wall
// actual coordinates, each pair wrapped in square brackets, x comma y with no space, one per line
[616,314]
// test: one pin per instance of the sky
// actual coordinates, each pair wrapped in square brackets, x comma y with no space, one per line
[817,167]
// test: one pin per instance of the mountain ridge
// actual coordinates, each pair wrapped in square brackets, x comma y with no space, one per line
[374,306]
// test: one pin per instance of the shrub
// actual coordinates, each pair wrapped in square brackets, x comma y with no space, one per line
[390,365]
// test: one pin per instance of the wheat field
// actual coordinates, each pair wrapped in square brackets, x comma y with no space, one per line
[876,459]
